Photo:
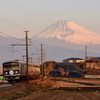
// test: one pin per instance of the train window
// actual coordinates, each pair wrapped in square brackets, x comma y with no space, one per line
[7,68]
[10,66]
[15,68]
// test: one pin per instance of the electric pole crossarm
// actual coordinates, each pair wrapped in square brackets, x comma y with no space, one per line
[19,44]
[36,54]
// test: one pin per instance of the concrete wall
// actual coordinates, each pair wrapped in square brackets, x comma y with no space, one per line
[91,76]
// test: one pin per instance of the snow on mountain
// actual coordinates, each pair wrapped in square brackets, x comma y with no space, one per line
[70,33]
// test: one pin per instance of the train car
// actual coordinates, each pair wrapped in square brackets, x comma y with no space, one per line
[17,70]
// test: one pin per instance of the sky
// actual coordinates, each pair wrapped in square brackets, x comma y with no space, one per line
[17,16]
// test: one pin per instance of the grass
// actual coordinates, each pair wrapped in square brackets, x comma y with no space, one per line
[2,78]
[4,98]
[27,91]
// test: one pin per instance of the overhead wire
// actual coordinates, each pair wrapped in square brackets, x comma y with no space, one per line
[41,43]
[9,35]
[81,53]
[13,23]
[10,24]
[35,40]
[8,21]
[14,38]
[16,44]
[10,51]
[34,46]
[35,53]
[17,51]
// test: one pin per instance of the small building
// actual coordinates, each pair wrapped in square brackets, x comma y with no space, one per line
[93,65]
[73,60]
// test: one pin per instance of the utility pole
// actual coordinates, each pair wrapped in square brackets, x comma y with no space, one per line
[42,60]
[39,61]
[27,53]
[85,52]
[44,65]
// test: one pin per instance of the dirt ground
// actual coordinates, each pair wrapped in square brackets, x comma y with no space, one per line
[50,90]
[62,95]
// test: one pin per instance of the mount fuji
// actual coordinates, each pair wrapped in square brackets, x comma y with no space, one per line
[65,39]
[70,33]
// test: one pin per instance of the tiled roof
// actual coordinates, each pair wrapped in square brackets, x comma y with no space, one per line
[73,59]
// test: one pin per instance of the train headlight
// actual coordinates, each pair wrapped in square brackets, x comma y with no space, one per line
[16,72]
[6,72]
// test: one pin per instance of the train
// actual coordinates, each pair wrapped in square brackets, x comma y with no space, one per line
[17,70]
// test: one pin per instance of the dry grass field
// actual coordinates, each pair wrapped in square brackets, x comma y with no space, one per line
[52,89]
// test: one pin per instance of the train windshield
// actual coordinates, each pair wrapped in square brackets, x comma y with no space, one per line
[11,66]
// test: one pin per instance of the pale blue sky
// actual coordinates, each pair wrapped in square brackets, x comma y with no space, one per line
[37,15]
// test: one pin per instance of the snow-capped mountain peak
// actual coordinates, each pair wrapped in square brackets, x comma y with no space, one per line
[70,32]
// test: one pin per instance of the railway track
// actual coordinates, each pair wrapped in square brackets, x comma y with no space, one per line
[72,81]
[14,84]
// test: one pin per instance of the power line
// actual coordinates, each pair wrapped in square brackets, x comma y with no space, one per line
[9,35]
[35,53]
[34,46]
[10,24]
[81,53]
[15,51]
[13,23]
[20,41]
[16,43]
[36,40]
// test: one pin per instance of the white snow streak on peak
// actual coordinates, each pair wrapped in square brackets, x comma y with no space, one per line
[70,32]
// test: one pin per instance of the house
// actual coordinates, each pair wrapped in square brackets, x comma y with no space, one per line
[73,60]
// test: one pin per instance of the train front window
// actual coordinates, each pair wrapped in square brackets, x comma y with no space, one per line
[11,66]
